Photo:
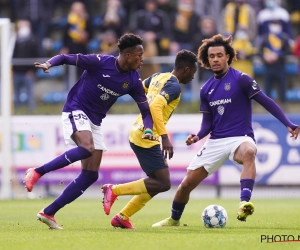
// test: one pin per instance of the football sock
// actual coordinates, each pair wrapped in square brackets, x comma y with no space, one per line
[72,191]
[72,155]
[246,189]
[134,188]
[177,210]
[134,205]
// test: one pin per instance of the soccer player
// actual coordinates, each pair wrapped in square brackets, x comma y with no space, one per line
[227,117]
[163,93]
[105,79]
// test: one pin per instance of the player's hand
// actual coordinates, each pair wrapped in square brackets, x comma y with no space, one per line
[167,147]
[44,66]
[294,133]
[148,135]
[191,139]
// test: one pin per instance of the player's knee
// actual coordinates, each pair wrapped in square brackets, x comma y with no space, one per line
[185,186]
[84,152]
[249,154]
[89,147]
[165,186]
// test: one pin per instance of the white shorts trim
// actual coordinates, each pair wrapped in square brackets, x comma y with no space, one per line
[78,121]
[215,152]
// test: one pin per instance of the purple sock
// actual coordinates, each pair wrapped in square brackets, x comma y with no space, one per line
[72,191]
[72,155]
[246,189]
[177,210]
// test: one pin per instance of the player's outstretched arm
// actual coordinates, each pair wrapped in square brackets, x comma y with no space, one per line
[44,66]
[270,105]
[294,133]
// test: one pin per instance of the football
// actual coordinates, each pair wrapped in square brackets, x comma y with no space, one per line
[214,216]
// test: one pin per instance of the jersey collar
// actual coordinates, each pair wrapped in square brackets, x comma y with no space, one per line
[218,77]
[118,67]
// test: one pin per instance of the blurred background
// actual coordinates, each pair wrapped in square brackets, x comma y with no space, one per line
[266,36]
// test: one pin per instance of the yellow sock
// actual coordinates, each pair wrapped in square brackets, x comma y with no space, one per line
[133,188]
[135,204]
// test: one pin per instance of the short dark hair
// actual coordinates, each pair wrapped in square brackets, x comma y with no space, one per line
[217,40]
[128,41]
[185,58]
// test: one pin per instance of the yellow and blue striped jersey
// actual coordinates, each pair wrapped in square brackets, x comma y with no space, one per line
[163,93]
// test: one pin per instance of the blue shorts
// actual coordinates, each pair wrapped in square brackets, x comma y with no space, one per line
[150,159]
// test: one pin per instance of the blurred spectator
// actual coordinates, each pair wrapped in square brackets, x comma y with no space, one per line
[24,76]
[296,51]
[114,18]
[207,29]
[108,45]
[274,11]
[38,13]
[209,8]
[294,10]
[257,5]
[184,26]
[237,13]
[294,4]
[3,8]
[245,50]
[78,31]
[274,49]
[150,50]
[154,26]
[131,7]
[168,6]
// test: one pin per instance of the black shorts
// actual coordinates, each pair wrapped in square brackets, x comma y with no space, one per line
[150,159]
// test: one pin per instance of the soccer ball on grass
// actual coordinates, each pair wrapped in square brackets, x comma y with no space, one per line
[214,216]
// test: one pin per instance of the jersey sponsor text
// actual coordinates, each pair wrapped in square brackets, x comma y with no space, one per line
[219,102]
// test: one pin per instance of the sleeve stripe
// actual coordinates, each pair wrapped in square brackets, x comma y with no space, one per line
[141,102]
[254,94]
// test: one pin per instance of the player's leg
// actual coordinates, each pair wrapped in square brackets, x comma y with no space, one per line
[245,154]
[192,179]
[122,219]
[77,130]
[155,183]
[88,175]
[158,180]
[208,160]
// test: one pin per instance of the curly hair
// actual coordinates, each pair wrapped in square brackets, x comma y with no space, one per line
[129,41]
[185,58]
[217,40]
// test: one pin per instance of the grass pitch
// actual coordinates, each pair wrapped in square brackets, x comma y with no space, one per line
[87,227]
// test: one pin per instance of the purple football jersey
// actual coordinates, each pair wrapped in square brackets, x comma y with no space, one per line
[102,82]
[228,99]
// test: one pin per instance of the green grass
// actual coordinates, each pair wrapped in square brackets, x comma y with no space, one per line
[87,227]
